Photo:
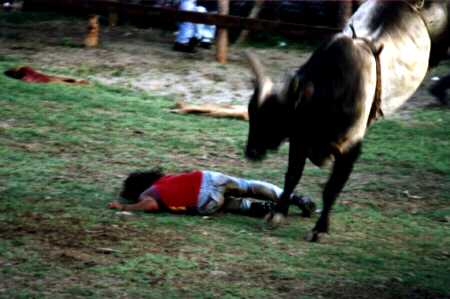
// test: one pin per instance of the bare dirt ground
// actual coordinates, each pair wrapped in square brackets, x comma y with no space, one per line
[143,59]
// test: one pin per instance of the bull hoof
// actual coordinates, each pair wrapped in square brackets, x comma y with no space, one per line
[276,220]
[312,236]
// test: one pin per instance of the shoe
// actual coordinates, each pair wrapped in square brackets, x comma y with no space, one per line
[186,48]
[193,42]
[305,204]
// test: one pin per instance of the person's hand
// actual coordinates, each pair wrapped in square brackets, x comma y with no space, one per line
[115,205]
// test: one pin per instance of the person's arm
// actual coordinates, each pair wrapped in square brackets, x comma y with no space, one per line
[146,203]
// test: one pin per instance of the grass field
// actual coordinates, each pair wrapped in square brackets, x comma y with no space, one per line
[64,151]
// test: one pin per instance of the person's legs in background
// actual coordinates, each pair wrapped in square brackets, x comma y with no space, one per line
[185,40]
[204,33]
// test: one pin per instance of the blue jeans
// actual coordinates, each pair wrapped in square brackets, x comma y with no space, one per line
[188,30]
[216,187]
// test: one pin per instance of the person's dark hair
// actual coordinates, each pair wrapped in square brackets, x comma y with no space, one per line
[138,182]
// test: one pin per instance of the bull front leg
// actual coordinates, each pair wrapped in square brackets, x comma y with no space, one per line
[297,159]
[342,169]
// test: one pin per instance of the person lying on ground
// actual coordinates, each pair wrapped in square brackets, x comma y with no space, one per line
[202,192]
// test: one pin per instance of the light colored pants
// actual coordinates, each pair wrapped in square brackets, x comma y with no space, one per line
[216,187]
[187,30]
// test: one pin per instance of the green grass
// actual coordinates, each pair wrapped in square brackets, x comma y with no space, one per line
[65,150]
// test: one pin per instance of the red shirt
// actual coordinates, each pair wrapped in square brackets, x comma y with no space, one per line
[179,192]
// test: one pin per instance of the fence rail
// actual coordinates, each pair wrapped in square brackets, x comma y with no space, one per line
[147,12]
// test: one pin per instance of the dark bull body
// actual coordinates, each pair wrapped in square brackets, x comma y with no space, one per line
[369,69]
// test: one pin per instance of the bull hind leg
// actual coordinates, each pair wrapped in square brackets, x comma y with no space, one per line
[342,169]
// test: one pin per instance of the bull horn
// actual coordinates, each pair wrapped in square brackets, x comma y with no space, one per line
[257,67]
[263,81]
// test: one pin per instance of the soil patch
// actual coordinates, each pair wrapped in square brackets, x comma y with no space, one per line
[143,59]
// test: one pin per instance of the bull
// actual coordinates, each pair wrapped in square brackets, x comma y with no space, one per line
[323,110]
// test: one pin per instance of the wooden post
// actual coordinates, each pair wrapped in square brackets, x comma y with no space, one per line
[91,39]
[222,34]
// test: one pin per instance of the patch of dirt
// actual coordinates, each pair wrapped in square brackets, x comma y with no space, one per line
[69,243]
[413,193]
[143,59]
[393,289]
[66,240]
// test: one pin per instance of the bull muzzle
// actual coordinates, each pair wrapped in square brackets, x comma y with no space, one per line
[254,154]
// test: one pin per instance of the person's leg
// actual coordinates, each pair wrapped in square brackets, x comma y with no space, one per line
[185,33]
[204,33]
[215,187]
[186,30]
[225,186]
[248,206]
[267,191]
[211,195]
[199,28]
[209,33]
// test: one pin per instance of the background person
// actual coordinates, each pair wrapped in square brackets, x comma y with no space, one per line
[190,35]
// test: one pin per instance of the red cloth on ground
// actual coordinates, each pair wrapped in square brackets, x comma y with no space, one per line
[179,192]
[28,74]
